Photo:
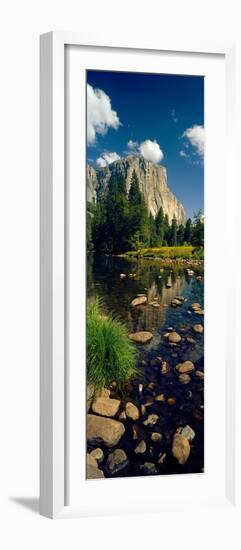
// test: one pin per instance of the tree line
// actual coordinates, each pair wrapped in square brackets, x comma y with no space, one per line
[121,222]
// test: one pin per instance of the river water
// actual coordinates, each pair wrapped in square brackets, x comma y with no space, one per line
[187,408]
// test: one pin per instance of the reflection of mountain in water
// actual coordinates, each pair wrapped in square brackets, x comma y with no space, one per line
[149,317]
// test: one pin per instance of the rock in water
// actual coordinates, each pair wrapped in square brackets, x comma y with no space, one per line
[142,337]
[117,461]
[185,367]
[180,448]
[198,329]
[174,337]
[104,430]
[187,432]
[152,180]
[184,378]
[132,411]
[141,448]
[139,301]
[151,420]
[106,406]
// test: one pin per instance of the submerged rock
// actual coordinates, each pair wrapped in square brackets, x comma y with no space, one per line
[174,337]
[156,437]
[104,430]
[106,406]
[149,468]
[199,374]
[139,301]
[151,420]
[141,448]
[198,329]
[185,367]
[184,378]
[180,448]
[142,337]
[117,461]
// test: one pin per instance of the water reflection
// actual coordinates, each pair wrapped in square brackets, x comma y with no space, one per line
[141,277]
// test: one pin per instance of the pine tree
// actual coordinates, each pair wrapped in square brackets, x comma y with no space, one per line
[188,231]
[160,227]
[180,235]
[173,236]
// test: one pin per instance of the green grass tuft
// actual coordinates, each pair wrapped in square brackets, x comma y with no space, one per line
[169,252]
[111,356]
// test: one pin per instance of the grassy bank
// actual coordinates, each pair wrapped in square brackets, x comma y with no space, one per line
[111,356]
[169,252]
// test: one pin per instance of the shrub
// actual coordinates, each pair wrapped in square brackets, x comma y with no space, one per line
[111,356]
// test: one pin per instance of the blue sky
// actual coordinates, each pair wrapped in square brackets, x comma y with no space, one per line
[159,116]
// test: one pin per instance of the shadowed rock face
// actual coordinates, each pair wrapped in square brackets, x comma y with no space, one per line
[152,180]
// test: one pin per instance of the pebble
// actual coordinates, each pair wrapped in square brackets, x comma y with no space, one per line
[141,448]
[156,437]
[199,374]
[198,329]
[171,400]
[151,420]
[142,337]
[184,378]
[187,432]
[180,448]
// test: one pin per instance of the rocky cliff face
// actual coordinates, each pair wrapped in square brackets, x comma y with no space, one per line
[152,180]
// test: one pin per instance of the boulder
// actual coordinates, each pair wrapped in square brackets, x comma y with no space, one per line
[117,461]
[101,430]
[185,367]
[198,329]
[180,448]
[132,411]
[106,406]
[139,301]
[142,337]
[174,337]
[141,448]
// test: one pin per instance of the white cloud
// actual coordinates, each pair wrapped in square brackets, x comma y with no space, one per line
[100,115]
[183,154]
[196,137]
[132,144]
[107,158]
[151,150]
[174,116]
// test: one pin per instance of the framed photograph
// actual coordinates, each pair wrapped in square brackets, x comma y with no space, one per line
[137,182]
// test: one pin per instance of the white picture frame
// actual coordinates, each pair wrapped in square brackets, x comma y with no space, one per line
[53,435]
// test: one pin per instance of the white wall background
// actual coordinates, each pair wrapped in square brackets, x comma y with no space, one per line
[21,22]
